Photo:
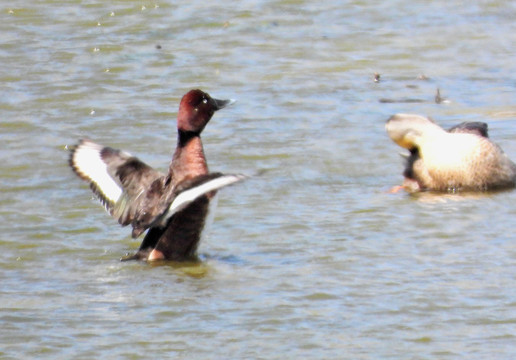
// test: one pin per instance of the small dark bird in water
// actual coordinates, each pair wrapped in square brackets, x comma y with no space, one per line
[439,99]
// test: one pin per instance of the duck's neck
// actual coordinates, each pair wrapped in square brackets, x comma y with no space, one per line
[189,159]
[184,137]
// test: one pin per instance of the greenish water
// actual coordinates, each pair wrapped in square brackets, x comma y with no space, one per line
[313,259]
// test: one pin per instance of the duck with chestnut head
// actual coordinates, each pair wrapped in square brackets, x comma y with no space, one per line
[171,207]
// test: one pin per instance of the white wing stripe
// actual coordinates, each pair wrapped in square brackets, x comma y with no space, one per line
[88,162]
[187,196]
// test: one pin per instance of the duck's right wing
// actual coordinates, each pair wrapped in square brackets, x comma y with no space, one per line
[121,181]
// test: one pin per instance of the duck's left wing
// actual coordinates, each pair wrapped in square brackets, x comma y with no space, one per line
[189,190]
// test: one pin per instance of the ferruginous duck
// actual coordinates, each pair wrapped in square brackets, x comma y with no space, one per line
[173,207]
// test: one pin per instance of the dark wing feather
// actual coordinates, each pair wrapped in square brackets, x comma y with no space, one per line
[190,190]
[123,183]
[477,128]
[174,199]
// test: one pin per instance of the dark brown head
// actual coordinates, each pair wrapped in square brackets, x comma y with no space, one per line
[196,109]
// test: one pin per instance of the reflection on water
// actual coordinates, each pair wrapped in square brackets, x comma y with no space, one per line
[434,197]
[310,259]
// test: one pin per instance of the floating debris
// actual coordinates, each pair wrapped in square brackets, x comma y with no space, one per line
[401,101]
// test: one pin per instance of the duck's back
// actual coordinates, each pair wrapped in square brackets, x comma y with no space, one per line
[463,161]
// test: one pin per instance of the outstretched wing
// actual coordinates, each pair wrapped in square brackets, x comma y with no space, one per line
[120,180]
[157,211]
[189,190]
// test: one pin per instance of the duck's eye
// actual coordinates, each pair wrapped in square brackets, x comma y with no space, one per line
[205,101]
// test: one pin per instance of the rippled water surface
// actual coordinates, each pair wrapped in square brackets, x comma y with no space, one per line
[313,259]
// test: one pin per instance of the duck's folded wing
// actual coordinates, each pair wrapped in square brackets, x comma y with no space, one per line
[117,178]
[474,127]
